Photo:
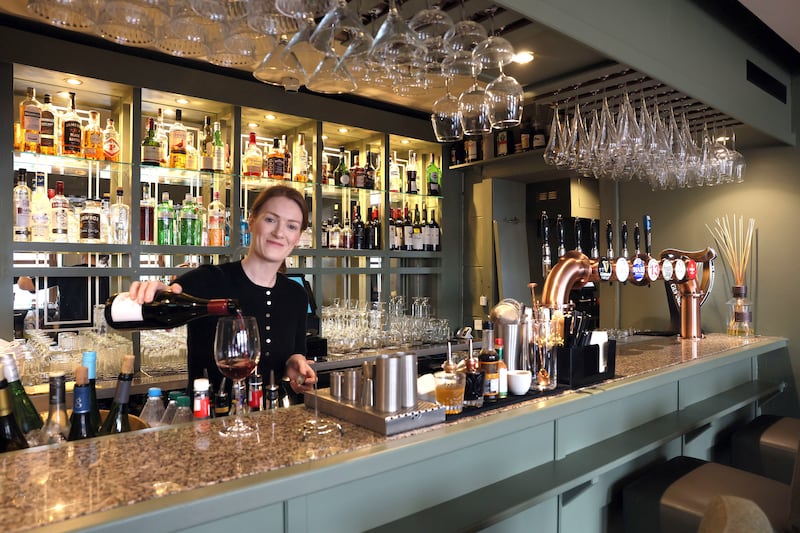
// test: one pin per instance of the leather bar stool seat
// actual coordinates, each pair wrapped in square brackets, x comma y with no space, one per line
[767,446]
[673,496]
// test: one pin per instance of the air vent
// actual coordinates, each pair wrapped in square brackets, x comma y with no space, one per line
[764,81]
[546,196]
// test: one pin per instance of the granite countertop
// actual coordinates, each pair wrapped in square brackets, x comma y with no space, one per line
[38,485]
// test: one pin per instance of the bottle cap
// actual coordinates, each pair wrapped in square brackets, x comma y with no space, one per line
[201,385]
[184,401]
[174,394]
[127,364]
[88,355]
[154,392]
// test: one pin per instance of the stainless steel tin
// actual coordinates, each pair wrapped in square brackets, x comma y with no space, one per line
[337,379]
[408,379]
[387,393]
[351,385]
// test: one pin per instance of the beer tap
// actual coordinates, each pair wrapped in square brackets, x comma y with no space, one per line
[648,239]
[546,258]
[624,237]
[621,267]
[562,249]
[637,237]
[578,235]
[595,253]
[610,239]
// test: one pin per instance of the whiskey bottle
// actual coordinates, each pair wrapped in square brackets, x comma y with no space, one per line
[357,173]
[276,161]
[30,116]
[71,130]
[93,138]
[177,142]
[216,222]
[411,173]
[111,147]
[253,158]
[48,128]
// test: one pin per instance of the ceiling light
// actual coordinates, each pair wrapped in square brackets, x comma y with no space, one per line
[324,137]
[270,117]
[343,130]
[522,57]
[404,141]
[182,101]
[64,94]
[73,81]
[253,125]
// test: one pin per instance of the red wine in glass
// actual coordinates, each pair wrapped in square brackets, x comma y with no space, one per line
[236,369]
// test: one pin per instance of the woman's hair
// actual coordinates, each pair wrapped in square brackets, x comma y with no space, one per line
[277,191]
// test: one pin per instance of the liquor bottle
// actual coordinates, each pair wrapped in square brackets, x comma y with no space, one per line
[48,127]
[89,360]
[56,428]
[59,215]
[71,130]
[147,216]
[201,226]
[426,230]
[392,232]
[111,147]
[395,180]
[255,391]
[369,171]
[11,436]
[216,222]
[218,154]
[22,207]
[151,147]
[222,400]
[347,234]
[374,242]
[489,365]
[253,162]
[288,167]
[411,173]
[357,173]
[30,117]
[40,211]
[80,422]
[301,160]
[120,216]
[435,234]
[473,388]
[93,137]
[276,162]
[187,222]
[207,146]
[342,172]
[25,412]
[192,156]
[399,229]
[359,230]
[178,139]
[272,393]
[324,234]
[165,221]
[244,230]
[163,139]
[502,391]
[539,136]
[525,135]
[408,230]
[434,177]
[117,420]
[105,218]
[167,310]
[153,410]
[417,243]
[334,230]
[89,220]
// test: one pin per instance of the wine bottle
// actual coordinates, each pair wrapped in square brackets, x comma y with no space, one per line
[11,437]
[89,360]
[56,428]
[490,365]
[80,423]
[117,420]
[24,411]
[167,310]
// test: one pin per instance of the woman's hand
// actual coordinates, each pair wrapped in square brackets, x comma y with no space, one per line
[145,291]
[301,376]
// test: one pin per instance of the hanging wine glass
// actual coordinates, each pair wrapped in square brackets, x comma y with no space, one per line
[709,166]
[724,160]
[465,36]
[555,143]
[395,44]
[430,26]
[221,10]
[504,96]
[738,163]
[237,350]
[566,160]
[186,34]
[340,19]
[693,174]
[446,118]
[331,76]
[235,51]
[474,109]
[281,68]
[680,154]
[264,18]
[305,8]
[494,52]
[604,143]
[131,23]
[70,14]
[583,148]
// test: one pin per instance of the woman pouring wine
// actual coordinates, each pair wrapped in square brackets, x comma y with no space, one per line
[278,217]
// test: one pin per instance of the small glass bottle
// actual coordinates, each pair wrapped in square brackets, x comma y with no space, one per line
[93,137]
[490,365]
[56,429]
[740,323]
[222,400]
[473,390]
[111,147]
[120,215]
[255,391]
[503,369]
[216,222]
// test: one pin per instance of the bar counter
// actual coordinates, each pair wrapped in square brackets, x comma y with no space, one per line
[564,446]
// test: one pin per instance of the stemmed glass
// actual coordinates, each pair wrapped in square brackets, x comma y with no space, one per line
[237,349]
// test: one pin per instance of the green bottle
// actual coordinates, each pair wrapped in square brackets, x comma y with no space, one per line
[165,221]
[25,412]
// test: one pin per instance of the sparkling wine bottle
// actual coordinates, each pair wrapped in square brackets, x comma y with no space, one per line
[80,422]
[56,428]
[89,360]
[25,412]
[11,437]
[167,310]
[117,420]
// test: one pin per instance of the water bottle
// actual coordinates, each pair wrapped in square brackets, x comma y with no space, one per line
[184,412]
[172,406]
[153,410]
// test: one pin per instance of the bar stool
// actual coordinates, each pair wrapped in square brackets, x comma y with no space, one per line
[767,446]
[673,496]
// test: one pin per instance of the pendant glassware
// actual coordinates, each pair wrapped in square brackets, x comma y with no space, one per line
[186,34]
[554,144]
[465,35]
[340,19]
[504,97]
[237,350]
[130,23]
[474,109]
[280,67]
[331,76]
[446,119]
[264,18]
[494,52]
[70,14]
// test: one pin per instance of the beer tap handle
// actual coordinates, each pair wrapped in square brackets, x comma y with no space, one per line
[595,254]
[578,234]
[624,237]
[546,259]
[610,239]
[562,249]
[637,237]
[648,240]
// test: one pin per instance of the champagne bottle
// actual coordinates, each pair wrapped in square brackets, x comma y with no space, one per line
[80,423]
[56,428]
[89,360]
[167,310]
[117,420]
[24,411]
[11,437]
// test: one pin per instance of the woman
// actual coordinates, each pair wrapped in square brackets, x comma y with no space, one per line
[277,219]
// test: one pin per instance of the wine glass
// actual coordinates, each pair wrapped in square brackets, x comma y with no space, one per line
[237,349]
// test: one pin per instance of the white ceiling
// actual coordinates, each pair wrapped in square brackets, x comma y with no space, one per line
[782,16]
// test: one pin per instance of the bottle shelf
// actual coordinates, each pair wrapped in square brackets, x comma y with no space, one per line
[69,165]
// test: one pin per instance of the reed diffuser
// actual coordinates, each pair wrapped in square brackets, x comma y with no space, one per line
[734,240]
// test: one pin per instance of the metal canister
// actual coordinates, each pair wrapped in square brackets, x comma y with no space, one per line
[337,379]
[387,393]
[351,385]
[408,379]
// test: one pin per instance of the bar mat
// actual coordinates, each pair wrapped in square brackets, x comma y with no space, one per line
[504,402]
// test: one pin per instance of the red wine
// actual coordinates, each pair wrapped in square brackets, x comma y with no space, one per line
[236,368]
[117,420]
[167,310]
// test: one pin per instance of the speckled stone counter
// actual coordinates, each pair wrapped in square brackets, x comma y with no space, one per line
[165,467]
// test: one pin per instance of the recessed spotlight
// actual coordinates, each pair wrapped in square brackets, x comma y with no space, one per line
[343,130]
[64,94]
[324,137]
[73,81]
[253,125]
[522,57]
[404,141]
[181,101]
[270,117]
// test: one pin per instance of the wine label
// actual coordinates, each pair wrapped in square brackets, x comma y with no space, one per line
[653,269]
[680,269]
[638,269]
[604,269]
[125,309]
[666,269]
[622,270]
